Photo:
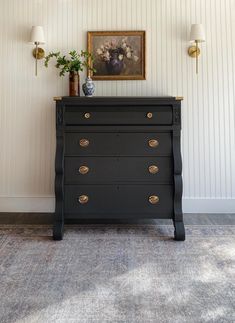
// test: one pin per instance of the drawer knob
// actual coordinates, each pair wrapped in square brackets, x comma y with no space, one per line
[153,169]
[84,142]
[87,115]
[153,143]
[83,170]
[83,199]
[153,199]
[149,115]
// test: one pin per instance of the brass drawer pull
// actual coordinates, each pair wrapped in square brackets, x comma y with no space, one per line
[87,115]
[149,115]
[153,143]
[153,199]
[153,169]
[83,199]
[83,170]
[84,142]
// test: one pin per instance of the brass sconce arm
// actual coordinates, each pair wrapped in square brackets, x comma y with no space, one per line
[194,52]
[38,53]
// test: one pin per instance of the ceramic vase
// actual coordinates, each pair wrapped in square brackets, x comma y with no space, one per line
[74,84]
[114,66]
[88,87]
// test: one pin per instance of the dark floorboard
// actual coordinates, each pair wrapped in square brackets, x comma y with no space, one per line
[47,218]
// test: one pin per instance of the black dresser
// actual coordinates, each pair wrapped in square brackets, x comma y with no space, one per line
[118,157]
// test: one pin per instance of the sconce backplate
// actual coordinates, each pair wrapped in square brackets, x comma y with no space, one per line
[41,53]
[193,51]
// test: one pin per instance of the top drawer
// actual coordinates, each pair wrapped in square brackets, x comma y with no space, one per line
[158,115]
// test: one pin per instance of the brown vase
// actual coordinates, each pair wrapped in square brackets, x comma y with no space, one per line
[74,84]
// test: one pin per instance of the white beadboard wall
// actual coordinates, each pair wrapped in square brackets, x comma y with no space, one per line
[27,121]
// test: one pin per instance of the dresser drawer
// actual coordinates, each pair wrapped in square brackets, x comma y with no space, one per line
[118,169]
[124,200]
[118,144]
[159,115]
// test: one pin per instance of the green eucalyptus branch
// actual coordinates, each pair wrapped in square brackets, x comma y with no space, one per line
[75,63]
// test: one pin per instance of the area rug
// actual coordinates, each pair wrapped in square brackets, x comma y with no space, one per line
[117,274]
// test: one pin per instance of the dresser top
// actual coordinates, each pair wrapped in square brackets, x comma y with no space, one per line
[118,99]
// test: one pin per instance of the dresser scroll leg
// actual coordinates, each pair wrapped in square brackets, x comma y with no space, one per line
[58,230]
[179,233]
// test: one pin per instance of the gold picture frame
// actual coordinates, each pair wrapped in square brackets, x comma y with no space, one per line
[117,55]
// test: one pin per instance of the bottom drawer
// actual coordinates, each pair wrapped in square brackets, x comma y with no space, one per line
[108,201]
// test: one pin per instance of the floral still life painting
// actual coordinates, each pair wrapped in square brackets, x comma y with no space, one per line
[117,55]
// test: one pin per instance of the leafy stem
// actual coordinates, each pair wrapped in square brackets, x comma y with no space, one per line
[74,63]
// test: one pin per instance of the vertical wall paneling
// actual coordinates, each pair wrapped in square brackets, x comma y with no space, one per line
[27,129]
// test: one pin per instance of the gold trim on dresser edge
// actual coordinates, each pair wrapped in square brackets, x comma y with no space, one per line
[179,98]
[57,98]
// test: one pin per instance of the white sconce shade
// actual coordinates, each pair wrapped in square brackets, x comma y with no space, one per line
[37,35]
[197,33]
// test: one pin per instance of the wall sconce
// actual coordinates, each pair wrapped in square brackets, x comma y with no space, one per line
[37,38]
[197,35]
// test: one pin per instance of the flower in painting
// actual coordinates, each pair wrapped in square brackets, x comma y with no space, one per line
[128,54]
[113,43]
[120,57]
[135,58]
[107,45]
[99,51]
[106,56]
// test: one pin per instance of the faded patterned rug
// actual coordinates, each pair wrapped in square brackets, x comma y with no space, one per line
[117,273]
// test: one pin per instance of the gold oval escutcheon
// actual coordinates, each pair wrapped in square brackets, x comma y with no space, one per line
[83,199]
[153,143]
[149,115]
[153,199]
[84,142]
[87,115]
[153,169]
[83,170]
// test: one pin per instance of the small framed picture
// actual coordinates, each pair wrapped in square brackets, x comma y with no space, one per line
[117,55]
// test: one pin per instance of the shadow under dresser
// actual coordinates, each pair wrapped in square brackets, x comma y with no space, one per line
[118,157]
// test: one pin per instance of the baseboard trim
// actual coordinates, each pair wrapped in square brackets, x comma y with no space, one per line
[27,204]
[202,205]
[47,204]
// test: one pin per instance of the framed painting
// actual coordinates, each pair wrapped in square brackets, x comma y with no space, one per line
[117,55]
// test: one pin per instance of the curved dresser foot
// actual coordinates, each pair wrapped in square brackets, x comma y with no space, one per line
[58,231]
[179,233]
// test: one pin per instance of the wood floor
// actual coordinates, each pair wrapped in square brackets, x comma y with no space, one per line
[47,218]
